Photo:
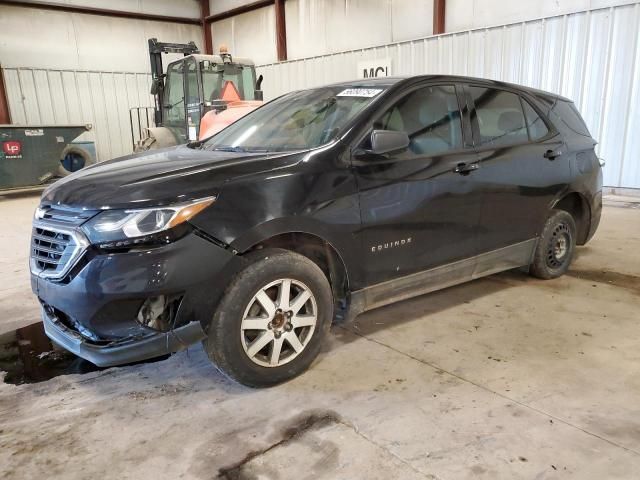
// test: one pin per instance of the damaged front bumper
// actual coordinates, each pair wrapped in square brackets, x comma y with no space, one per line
[122,307]
[121,351]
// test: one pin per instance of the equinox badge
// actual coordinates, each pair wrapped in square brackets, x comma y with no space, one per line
[388,245]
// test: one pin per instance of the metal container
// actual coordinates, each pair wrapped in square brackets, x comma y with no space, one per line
[31,155]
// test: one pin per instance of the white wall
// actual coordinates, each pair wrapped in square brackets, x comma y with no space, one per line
[31,37]
[61,68]
[220,6]
[318,27]
[251,35]
[173,8]
[467,14]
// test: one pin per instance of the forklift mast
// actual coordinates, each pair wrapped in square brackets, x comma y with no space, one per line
[156,49]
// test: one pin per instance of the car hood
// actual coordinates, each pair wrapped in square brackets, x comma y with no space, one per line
[160,177]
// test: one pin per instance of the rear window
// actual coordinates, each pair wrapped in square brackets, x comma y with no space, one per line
[568,114]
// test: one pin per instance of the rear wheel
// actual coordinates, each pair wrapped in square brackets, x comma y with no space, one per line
[556,246]
[271,322]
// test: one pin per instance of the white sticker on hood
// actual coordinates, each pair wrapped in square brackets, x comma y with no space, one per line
[360,92]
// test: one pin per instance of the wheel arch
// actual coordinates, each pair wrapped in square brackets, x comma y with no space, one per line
[320,251]
[577,206]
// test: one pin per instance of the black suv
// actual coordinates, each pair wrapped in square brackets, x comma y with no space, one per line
[321,204]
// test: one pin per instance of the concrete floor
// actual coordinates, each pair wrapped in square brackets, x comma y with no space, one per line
[505,377]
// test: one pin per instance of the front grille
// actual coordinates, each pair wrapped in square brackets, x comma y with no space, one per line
[48,248]
[56,243]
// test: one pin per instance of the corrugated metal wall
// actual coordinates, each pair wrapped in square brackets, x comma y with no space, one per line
[59,97]
[592,57]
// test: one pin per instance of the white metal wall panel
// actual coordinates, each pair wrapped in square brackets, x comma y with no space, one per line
[469,14]
[174,8]
[251,35]
[60,97]
[592,57]
[318,27]
[31,37]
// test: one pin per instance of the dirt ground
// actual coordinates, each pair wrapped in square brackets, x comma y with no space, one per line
[504,377]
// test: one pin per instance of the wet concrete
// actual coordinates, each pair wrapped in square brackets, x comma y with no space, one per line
[504,377]
[28,356]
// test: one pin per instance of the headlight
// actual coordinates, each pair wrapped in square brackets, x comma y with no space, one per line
[121,228]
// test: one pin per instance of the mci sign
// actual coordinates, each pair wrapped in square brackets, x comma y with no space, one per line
[374,68]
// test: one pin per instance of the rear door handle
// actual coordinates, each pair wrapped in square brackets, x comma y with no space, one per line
[465,168]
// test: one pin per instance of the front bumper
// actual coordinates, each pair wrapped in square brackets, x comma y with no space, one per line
[122,352]
[93,311]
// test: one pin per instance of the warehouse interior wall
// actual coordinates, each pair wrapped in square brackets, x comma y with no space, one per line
[320,27]
[470,14]
[32,37]
[251,35]
[63,68]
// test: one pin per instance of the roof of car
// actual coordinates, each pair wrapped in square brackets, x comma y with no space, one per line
[389,81]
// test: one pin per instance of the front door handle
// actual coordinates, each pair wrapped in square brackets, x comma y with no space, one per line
[465,168]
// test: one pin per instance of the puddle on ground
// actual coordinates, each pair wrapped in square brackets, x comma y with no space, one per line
[28,356]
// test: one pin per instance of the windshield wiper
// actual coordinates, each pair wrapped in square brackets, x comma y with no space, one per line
[239,149]
[228,149]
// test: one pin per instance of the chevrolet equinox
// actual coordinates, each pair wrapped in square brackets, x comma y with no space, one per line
[321,204]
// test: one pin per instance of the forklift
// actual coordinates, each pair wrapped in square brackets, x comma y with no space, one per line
[198,96]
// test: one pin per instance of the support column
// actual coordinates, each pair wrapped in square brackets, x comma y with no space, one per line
[438,16]
[5,116]
[206,27]
[281,31]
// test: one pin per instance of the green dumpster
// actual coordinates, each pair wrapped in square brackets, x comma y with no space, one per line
[31,155]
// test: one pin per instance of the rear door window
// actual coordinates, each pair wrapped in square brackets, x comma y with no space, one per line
[499,117]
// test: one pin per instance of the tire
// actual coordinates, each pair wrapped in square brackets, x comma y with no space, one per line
[253,299]
[78,152]
[556,246]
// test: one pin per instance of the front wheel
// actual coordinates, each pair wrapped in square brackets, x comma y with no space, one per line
[272,320]
[556,246]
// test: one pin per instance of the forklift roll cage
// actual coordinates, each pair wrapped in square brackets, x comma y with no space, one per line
[209,93]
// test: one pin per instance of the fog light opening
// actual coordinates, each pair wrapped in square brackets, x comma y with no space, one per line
[159,313]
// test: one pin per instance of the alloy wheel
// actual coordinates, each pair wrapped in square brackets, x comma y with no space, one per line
[278,322]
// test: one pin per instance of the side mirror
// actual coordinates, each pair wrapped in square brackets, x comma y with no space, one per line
[386,141]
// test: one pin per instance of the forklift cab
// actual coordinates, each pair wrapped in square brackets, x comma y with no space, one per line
[197,84]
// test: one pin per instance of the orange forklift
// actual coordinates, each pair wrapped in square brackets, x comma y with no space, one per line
[198,96]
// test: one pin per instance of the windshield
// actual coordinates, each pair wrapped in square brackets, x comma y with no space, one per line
[299,120]
[215,78]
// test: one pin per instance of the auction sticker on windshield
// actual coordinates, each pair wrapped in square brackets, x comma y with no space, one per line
[360,92]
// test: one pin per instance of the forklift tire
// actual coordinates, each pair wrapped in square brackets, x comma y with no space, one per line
[154,138]
[76,157]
